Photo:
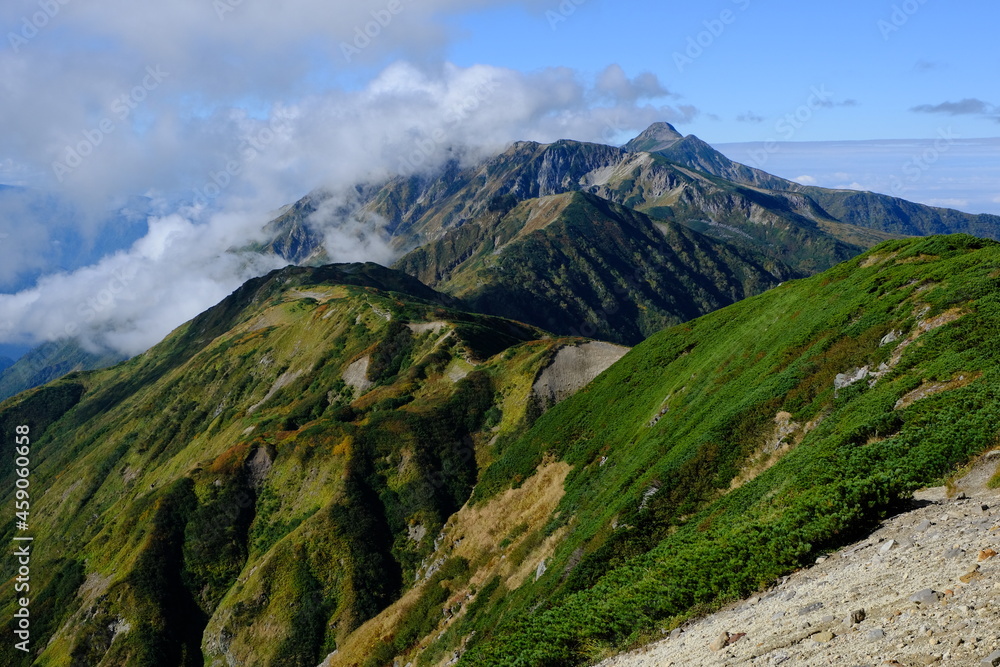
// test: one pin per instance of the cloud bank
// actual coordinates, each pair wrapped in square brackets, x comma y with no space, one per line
[227,170]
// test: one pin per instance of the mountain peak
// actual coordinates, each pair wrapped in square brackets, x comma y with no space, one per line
[656,137]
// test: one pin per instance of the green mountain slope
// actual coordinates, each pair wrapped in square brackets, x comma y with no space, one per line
[723,453]
[271,475]
[738,458]
[334,466]
[898,216]
[577,264]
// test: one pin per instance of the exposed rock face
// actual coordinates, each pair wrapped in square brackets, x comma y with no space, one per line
[850,377]
[660,172]
[694,153]
[573,369]
[259,466]
[356,375]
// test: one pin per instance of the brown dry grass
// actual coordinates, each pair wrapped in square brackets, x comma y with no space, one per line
[544,212]
[877,258]
[928,389]
[471,533]
[918,259]
[786,436]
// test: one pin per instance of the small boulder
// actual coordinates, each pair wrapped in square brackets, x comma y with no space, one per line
[735,638]
[719,642]
[809,608]
[925,597]
[850,377]
[890,338]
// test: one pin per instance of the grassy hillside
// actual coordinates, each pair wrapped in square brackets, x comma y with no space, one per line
[721,454]
[266,479]
[334,466]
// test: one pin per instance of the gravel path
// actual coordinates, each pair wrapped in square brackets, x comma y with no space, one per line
[923,589]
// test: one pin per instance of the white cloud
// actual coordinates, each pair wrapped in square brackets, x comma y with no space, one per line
[131,300]
[615,84]
[242,107]
[409,118]
[805,179]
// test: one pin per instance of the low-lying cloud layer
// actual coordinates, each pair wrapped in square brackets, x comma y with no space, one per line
[130,300]
[223,173]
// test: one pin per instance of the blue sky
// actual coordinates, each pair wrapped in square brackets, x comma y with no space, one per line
[762,61]
[218,112]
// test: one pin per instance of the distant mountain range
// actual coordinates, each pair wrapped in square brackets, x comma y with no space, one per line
[47,362]
[608,242]
[506,237]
